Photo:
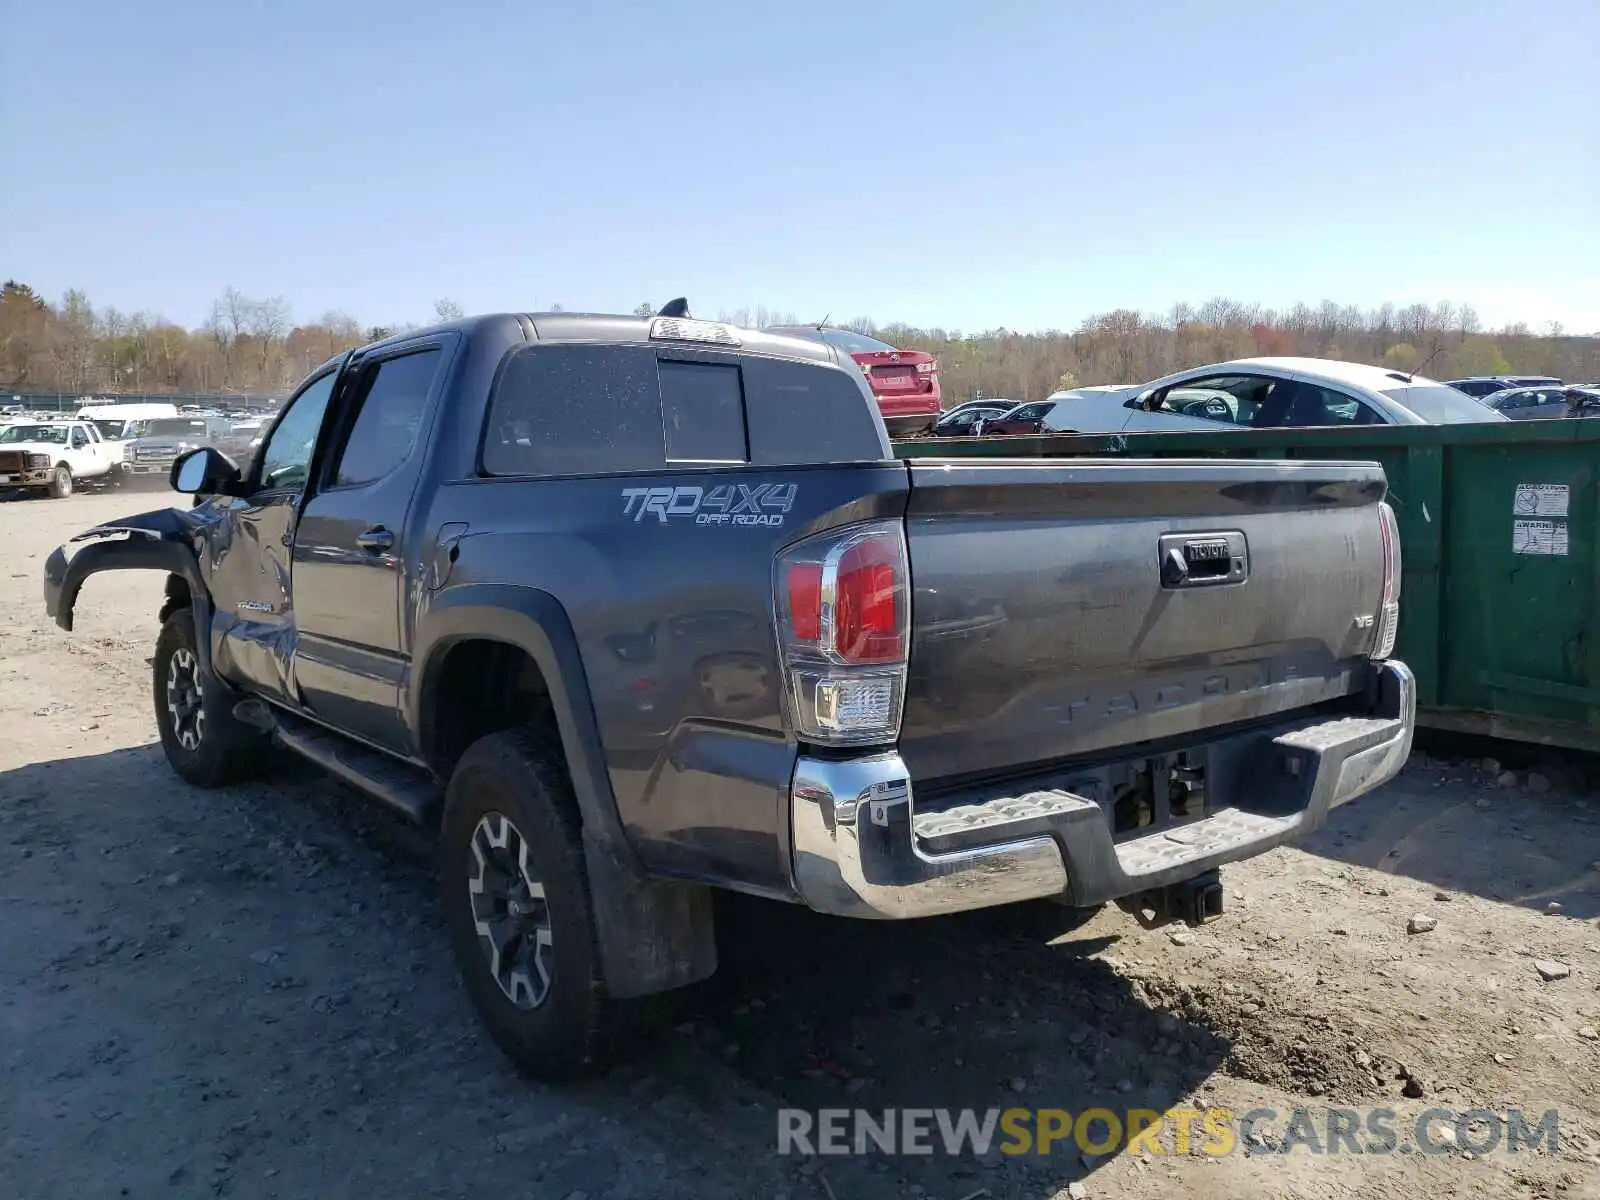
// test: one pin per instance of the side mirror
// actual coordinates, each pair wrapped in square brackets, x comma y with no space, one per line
[204,471]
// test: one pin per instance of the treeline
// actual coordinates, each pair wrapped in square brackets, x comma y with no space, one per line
[252,345]
[1443,342]
[248,344]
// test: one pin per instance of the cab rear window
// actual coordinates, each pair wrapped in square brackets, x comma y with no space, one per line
[583,409]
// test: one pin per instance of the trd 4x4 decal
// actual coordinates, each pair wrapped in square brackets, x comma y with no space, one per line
[725,504]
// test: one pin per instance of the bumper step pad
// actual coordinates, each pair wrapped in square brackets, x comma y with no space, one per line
[999,820]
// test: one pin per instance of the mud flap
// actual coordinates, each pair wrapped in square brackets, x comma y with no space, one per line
[655,934]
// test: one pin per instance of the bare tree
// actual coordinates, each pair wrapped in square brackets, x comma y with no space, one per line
[75,342]
[266,321]
[447,310]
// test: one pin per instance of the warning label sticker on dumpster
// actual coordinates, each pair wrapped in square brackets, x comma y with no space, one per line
[1539,537]
[1540,500]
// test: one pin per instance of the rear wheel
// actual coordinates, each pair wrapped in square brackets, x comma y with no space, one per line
[518,907]
[61,482]
[204,742]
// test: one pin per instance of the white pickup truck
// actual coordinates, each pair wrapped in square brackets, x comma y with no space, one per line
[54,455]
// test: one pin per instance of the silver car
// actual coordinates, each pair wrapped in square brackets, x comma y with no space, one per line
[1268,393]
[1532,403]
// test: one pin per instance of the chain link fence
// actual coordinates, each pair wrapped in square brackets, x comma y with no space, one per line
[73,401]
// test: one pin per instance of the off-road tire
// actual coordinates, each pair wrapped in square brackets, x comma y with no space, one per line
[224,749]
[61,482]
[576,1030]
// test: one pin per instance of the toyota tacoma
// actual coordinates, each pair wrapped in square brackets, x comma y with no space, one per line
[627,609]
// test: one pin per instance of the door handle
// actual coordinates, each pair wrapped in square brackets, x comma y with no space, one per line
[375,539]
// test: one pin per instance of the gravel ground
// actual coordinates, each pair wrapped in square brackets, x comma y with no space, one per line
[247,992]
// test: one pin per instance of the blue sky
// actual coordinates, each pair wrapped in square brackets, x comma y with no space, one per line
[961,164]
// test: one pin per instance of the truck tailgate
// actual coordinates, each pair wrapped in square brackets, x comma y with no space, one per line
[1050,620]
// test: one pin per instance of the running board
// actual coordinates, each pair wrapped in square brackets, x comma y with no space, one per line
[405,789]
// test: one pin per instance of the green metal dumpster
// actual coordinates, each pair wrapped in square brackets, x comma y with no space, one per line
[1501,541]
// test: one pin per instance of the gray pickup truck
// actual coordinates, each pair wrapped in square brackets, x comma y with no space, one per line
[628,609]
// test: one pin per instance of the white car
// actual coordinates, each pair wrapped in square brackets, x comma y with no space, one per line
[54,455]
[1268,393]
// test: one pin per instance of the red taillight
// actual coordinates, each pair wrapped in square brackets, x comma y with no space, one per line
[844,613]
[866,612]
[803,584]
[931,367]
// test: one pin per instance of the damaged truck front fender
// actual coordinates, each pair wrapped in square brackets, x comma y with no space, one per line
[163,540]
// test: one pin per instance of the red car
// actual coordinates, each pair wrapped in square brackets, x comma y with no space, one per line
[905,382]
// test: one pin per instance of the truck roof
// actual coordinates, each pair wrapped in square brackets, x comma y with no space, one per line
[604,327]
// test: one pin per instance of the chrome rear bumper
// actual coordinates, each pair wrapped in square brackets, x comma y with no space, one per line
[858,850]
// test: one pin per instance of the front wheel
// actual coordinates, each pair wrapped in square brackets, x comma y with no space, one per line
[518,908]
[61,482]
[204,742]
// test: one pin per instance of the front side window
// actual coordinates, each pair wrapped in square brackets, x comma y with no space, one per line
[395,398]
[286,457]
[1297,405]
[1229,399]
[80,439]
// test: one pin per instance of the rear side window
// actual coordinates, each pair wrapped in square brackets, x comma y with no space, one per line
[386,424]
[575,409]
[702,411]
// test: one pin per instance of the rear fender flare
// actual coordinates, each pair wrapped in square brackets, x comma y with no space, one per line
[654,934]
[535,622]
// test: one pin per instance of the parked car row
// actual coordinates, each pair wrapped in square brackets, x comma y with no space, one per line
[1255,393]
[113,444]
[1540,403]
[1251,393]
[1483,386]
[1271,393]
